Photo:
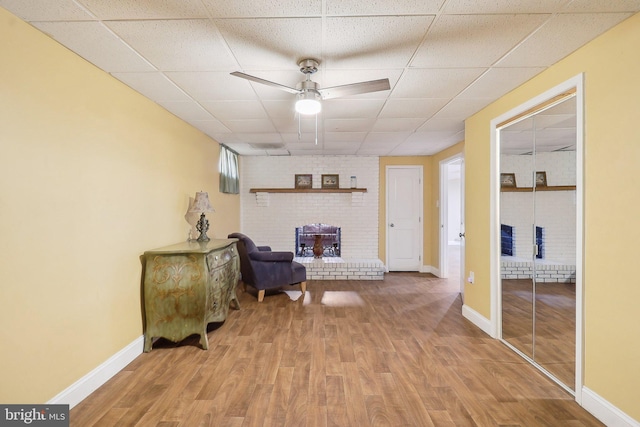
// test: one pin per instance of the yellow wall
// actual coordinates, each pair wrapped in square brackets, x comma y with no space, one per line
[611,66]
[92,175]
[431,193]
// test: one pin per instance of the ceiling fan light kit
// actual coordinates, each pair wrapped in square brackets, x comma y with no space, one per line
[307,91]
[308,95]
[308,103]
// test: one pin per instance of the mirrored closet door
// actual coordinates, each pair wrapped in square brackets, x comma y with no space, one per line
[538,237]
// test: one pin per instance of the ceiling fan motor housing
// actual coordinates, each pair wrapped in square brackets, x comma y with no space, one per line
[308,66]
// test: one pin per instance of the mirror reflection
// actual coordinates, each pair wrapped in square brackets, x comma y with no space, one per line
[538,237]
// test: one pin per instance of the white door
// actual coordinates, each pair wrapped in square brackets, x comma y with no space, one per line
[404,218]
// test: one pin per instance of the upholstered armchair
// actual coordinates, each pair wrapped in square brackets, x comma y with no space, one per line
[265,269]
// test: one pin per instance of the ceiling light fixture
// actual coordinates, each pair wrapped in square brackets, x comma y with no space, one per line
[308,102]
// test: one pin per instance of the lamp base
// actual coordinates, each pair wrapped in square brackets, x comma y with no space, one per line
[202,226]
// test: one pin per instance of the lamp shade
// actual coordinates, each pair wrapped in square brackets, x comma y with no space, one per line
[201,203]
[308,103]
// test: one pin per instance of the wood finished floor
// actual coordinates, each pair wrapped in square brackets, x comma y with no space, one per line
[351,353]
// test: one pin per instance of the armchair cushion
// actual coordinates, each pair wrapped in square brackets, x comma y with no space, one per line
[271,256]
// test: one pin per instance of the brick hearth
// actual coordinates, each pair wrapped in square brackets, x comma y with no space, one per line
[336,268]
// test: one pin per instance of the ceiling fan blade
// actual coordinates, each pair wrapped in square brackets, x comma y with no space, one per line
[355,88]
[265,82]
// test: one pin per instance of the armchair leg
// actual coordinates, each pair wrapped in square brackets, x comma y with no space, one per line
[261,295]
[303,287]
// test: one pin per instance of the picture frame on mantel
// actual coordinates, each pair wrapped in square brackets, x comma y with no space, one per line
[330,181]
[508,180]
[541,179]
[303,181]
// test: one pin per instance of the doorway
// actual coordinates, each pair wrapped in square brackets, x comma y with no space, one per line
[452,219]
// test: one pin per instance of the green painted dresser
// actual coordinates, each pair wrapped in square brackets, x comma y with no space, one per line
[187,286]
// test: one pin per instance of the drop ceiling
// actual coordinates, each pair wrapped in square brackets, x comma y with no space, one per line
[445,60]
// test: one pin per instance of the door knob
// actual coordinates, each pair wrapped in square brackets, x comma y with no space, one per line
[391,225]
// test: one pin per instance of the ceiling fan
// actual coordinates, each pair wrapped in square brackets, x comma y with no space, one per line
[308,93]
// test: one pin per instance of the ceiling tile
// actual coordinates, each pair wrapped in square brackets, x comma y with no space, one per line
[446,125]
[389,138]
[97,44]
[341,148]
[397,125]
[422,149]
[46,10]
[351,108]
[153,85]
[252,8]
[428,143]
[435,83]
[176,45]
[283,111]
[246,38]
[505,6]
[345,137]
[290,78]
[542,48]
[396,7]
[603,6]
[252,126]
[293,140]
[210,127]
[259,137]
[212,85]
[289,124]
[461,109]
[473,40]
[373,42]
[348,125]
[145,9]
[498,81]
[412,108]
[235,110]
[187,110]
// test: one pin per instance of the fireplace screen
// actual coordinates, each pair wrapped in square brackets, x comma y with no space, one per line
[318,240]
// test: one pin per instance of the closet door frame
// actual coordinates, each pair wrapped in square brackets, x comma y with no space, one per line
[576,84]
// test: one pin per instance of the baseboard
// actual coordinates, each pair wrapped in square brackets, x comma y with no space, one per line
[477,319]
[430,269]
[86,385]
[610,415]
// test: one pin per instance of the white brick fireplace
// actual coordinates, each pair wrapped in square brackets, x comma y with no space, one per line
[271,218]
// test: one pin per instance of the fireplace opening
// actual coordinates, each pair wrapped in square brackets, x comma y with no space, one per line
[506,239]
[318,240]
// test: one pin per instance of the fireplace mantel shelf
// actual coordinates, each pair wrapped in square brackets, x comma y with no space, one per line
[529,189]
[308,190]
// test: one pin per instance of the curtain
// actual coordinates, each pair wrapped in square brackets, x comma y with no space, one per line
[228,166]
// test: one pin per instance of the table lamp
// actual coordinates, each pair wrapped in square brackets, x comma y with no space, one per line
[201,205]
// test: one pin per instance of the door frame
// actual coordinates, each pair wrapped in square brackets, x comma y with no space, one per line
[444,214]
[577,83]
[420,207]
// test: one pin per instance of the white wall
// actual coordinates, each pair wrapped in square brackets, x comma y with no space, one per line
[271,219]
[453,208]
